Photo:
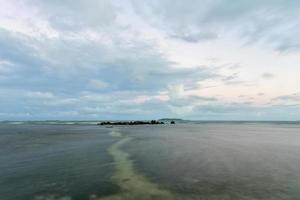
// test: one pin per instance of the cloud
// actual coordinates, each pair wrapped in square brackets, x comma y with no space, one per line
[98,84]
[64,75]
[232,79]
[5,67]
[260,94]
[195,37]
[273,23]
[76,15]
[267,75]
[103,59]
[292,97]
[41,95]
[78,64]
[49,99]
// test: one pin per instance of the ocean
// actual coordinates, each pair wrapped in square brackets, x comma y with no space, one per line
[196,160]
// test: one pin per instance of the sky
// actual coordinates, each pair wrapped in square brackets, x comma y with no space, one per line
[150,59]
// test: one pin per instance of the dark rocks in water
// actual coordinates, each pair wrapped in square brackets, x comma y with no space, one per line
[130,122]
[172,122]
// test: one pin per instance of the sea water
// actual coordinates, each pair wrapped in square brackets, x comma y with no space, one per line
[219,160]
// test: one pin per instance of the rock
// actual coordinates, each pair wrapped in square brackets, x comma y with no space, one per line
[152,122]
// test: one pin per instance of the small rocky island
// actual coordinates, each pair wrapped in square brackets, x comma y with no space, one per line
[152,122]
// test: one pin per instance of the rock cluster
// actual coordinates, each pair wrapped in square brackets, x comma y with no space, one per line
[130,122]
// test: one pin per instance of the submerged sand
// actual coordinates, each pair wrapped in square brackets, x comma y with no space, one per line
[135,186]
[132,184]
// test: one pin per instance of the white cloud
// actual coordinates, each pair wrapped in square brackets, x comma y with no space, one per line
[41,95]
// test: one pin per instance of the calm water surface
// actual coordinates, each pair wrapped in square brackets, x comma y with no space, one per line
[182,161]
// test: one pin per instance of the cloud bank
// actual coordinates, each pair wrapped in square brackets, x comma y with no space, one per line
[103,59]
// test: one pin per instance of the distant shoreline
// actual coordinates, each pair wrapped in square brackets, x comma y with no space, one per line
[165,120]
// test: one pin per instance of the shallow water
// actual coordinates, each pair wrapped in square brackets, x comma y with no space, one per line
[183,161]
